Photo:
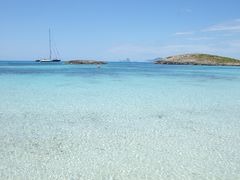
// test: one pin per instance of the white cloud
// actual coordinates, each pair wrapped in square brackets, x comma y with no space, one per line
[191,42]
[231,26]
[184,33]
[199,38]
[145,52]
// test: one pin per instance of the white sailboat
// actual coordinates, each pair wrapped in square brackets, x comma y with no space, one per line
[50,52]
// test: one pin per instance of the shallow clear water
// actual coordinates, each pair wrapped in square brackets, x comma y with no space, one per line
[120,121]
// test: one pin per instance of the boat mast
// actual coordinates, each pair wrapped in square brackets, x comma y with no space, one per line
[50,45]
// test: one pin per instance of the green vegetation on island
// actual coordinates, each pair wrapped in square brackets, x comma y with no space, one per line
[199,59]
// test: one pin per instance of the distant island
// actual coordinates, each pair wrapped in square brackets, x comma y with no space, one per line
[84,62]
[199,59]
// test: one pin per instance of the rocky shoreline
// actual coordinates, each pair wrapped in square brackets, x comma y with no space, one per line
[199,59]
[84,62]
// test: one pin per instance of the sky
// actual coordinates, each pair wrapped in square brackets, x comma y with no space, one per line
[118,29]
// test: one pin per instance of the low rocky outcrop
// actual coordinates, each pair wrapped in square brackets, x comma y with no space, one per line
[84,62]
[199,59]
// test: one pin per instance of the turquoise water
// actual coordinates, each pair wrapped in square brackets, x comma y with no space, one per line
[120,121]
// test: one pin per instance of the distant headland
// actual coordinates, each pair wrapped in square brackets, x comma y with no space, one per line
[84,62]
[199,59]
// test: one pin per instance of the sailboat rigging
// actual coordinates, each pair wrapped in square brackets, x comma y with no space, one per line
[50,51]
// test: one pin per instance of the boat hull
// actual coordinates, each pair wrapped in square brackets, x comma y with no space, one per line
[56,60]
[47,60]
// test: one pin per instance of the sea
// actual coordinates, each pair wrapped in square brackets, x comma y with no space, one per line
[119,121]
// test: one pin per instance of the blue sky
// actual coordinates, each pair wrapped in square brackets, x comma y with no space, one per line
[119,29]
